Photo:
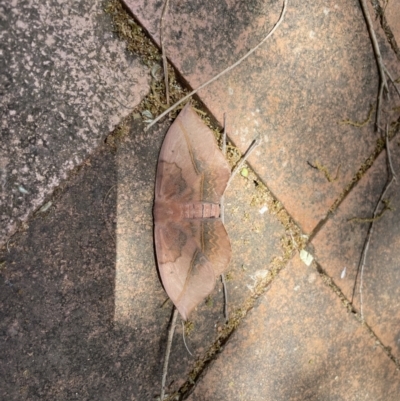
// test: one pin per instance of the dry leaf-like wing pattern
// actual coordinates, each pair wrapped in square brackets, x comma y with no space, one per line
[192,245]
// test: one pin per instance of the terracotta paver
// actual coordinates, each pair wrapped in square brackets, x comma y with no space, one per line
[392,13]
[338,248]
[317,70]
[300,343]
[66,82]
[82,310]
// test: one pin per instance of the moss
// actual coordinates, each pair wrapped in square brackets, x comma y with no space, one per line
[209,301]
[229,276]
[189,327]
[119,132]
[139,44]
[380,145]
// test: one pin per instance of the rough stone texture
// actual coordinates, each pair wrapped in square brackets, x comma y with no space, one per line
[338,248]
[62,300]
[392,14]
[299,343]
[255,238]
[317,70]
[65,82]
[81,313]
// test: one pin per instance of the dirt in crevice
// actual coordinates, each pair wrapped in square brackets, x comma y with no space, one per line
[379,147]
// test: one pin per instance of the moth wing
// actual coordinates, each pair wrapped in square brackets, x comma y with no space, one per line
[191,167]
[190,253]
[190,257]
[187,275]
[215,244]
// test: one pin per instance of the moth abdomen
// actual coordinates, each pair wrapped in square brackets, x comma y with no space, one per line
[201,210]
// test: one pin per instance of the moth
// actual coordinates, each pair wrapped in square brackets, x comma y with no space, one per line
[192,246]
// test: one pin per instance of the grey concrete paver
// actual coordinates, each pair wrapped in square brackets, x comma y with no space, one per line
[63,332]
[300,343]
[65,82]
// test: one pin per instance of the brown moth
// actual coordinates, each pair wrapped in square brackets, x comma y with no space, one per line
[192,245]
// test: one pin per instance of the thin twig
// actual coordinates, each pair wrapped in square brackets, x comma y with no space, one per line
[167,352]
[164,57]
[383,71]
[252,146]
[361,264]
[224,71]
[379,61]
[184,340]
[222,209]
[250,149]
[226,310]
[222,205]
[224,137]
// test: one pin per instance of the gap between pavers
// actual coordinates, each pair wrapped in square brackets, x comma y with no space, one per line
[338,247]
[315,71]
[126,311]
[300,343]
[66,82]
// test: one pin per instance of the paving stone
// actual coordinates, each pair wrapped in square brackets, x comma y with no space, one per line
[299,343]
[66,81]
[338,247]
[81,313]
[317,70]
[62,307]
[392,13]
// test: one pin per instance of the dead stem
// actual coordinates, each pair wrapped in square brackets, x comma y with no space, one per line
[224,137]
[184,339]
[249,150]
[226,311]
[168,352]
[231,67]
[222,206]
[361,264]
[253,145]
[164,57]
[383,86]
